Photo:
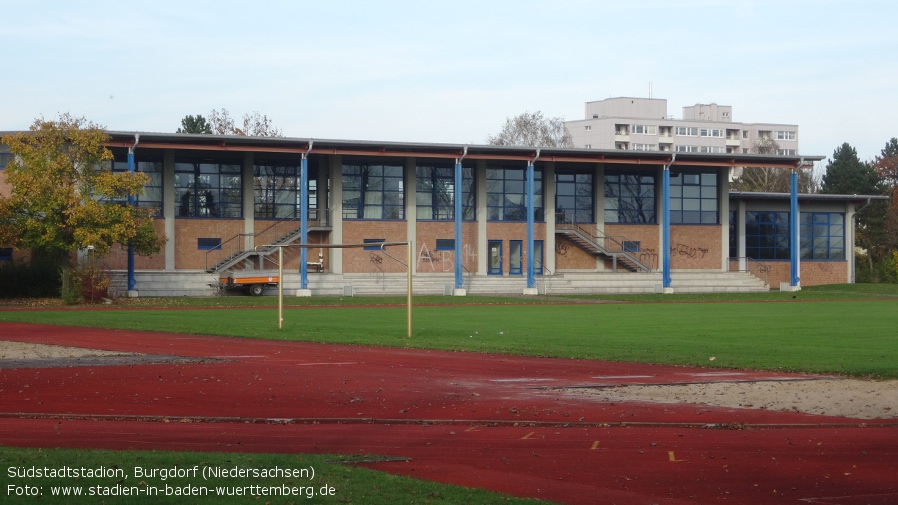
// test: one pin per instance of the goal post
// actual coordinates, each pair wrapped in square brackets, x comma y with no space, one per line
[408,270]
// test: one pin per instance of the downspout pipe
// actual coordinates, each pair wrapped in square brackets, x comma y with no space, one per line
[304,218]
[531,211]
[132,278]
[459,258]
[665,227]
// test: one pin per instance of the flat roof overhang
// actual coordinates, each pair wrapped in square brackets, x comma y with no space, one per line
[805,197]
[293,145]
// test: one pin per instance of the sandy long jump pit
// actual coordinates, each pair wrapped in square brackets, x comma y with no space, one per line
[28,355]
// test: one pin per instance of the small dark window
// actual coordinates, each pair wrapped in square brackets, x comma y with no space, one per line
[207,244]
[631,245]
[445,244]
[5,253]
[373,241]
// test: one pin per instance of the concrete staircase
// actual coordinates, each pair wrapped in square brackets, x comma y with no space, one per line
[601,246]
[559,284]
[198,283]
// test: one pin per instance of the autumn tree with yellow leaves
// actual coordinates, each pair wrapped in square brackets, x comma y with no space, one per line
[64,196]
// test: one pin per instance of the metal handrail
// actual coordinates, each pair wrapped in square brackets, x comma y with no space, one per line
[235,246]
[611,244]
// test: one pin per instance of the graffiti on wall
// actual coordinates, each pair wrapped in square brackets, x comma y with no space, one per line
[445,259]
[560,248]
[649,257]
[688,251]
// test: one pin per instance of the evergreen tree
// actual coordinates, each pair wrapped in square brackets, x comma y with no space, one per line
[195,124]
[846,174]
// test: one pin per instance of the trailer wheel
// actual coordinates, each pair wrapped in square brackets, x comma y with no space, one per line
[256,289]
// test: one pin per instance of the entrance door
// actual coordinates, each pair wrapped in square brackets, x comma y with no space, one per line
[515,257]
[495,260]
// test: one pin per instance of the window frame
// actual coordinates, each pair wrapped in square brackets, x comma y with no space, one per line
[391,200]
[502,195]
[583,193]
[822,240]
[141,163]
[766,246]
[646,184]
[427,202]
[269,190]
[689,188]
[224,179]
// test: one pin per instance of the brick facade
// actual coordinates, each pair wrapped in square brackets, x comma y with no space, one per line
[429,260]
[188,256]
[646,235]
[362,261]
[695,247]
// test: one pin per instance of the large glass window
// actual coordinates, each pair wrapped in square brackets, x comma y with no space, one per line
[629,197]
[822,235]
[767,235]
[276,190]
[693,198]
[435,191]
[711,132]
[506,195]
[574,197]
[152,191]
[785,135]
[208,189]
[372,191]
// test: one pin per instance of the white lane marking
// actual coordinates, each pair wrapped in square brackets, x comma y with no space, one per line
[716,374]
[523,379]
[329,363]
[624,377]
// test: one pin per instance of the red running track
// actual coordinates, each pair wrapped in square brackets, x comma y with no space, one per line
[496,422]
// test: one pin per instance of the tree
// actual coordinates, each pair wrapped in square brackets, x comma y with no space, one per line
[64,196]
[533,130]
[772,180]
[254,125]
[846,174]
[195,124]
[886,238]
[886,165]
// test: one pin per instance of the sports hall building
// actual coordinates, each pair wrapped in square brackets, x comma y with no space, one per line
[480,219]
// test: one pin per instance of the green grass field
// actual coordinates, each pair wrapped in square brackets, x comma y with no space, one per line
[851,329]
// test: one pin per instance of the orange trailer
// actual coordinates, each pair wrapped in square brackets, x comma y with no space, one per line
[254,282]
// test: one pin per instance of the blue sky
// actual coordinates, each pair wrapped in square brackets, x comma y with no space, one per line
[451,71]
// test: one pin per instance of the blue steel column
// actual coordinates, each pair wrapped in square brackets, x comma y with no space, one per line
[459,279]
[665,226]
[132,280]
[794,246]
[531,279]
[304,222]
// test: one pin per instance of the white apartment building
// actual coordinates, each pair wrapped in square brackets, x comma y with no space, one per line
[643,124]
